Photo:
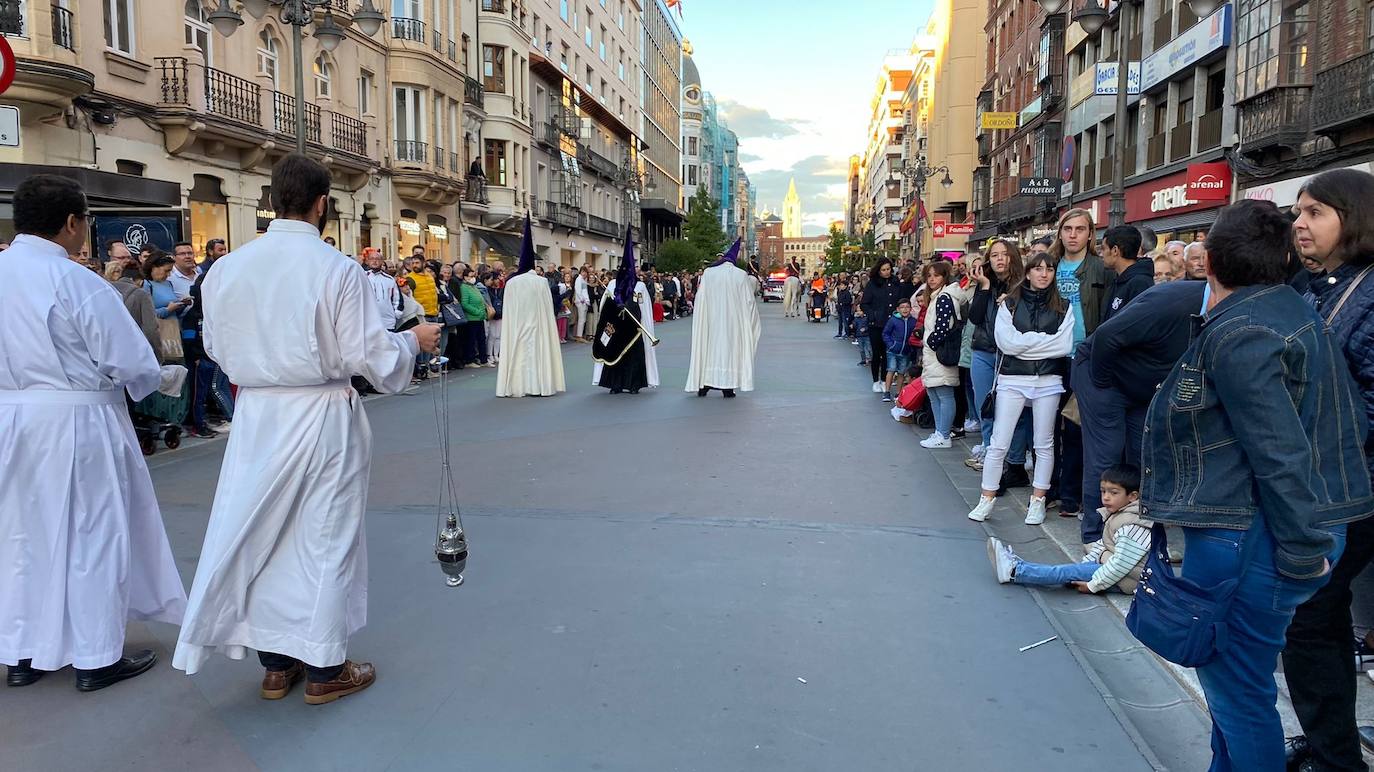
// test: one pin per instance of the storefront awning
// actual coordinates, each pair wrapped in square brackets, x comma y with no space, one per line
[501,243]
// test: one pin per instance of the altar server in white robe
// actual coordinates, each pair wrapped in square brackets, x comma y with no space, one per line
[82,545]
[646,318]
[530,362]
[283,570]
[725,329]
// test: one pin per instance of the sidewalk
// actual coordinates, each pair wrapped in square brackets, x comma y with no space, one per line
[1094,628]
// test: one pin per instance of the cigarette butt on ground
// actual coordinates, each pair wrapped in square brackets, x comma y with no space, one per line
[1024,649]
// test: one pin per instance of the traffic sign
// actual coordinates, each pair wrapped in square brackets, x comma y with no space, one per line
[7,65]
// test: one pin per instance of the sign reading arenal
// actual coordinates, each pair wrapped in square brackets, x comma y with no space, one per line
[1040,187]
[1210,181]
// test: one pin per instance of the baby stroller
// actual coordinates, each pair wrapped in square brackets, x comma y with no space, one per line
[159,416]
[912,405]
[820,306]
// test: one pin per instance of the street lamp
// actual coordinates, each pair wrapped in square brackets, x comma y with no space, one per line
[297,14]
[918,173]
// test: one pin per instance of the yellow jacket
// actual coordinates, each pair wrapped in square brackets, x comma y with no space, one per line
[426,293]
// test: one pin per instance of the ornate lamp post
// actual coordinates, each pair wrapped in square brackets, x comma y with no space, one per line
[918,173]
[297,14]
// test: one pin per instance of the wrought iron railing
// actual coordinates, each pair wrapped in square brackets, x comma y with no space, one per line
[284,117]
[455,162]
[348,134]
[562,214]
[1278,117]
[475,190]
[552,134]
[1344,94]
[600,164]
[408,29]
[411,151]
[62,28]
[438,41]
[473,92]
[232,97]
[452,51]
[440,158]
[602,225]
[175,83]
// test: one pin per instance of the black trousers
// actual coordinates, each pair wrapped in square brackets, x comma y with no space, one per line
[1112,432]
[313,674]
[1317,657]
[877,361]
[1067,481]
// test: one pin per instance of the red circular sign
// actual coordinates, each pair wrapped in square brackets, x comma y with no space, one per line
[7,65]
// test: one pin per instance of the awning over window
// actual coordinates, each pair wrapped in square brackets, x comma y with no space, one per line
[504,244]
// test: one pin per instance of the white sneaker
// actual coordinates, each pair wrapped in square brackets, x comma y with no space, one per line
[984,508]
[978,451]
[1003,560]
[878,387]
[971,426]
[1035,513]
[936,440]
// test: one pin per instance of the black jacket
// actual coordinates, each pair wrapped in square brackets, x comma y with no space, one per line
[1138,277]
[982,314]
[1031,314]
[880,299]
[1134,351]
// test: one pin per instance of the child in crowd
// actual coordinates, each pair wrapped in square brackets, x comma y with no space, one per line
[1115,560]
[897,337]
[861,335]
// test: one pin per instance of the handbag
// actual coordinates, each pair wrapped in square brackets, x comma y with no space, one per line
[169,332]
[988,409]
[1176,618]
[452,314]
[912,395]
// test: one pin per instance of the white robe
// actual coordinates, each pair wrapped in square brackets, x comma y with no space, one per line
[725,330]
[284,566]
[82,544]
[646,317]
[531,362]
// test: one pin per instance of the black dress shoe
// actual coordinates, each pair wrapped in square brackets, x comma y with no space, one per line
[729,393]
[22,674]
[703,391]
[1295,751]
[128,667]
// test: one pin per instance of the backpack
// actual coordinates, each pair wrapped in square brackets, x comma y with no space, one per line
[948,351]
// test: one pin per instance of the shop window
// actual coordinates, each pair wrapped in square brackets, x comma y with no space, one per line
[209,212]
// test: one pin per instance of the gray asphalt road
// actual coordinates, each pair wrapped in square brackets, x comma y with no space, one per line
[783,581]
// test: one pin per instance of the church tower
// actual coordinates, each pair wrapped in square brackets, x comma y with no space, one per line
[791,213]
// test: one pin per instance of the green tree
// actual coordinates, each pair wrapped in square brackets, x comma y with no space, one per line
[702,229]
[835,255]
[678,255]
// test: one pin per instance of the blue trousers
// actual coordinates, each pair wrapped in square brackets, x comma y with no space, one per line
[942,405]
[1247,735]
[1043,575]
[1112,431]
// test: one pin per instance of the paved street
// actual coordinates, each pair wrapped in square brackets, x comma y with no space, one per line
[783,581]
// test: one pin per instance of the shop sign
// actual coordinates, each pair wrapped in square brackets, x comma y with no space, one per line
[999,120]
[9,126]
[439,232]
[1040,187]
[1105,82]
[1187,49]
[939,229]
[1284,193]
[959,229]
[1209,182]
[140,230]
[1166,195]
[409,227]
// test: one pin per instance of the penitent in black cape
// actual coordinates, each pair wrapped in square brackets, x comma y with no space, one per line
[619,341]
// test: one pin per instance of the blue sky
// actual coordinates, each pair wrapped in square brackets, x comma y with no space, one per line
[795,80]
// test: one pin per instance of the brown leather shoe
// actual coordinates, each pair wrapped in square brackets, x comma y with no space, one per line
[354,677]
[277,683]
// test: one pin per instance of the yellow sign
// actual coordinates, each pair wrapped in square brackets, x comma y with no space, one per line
[999,120]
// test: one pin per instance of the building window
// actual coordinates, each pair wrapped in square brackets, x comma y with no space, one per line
[692,175]
[366,82]
[494,68]
[119,26]
[494,161]
[466,39]
[692,146]
[601,46]
[587,36]
[410,115]
[267,56]
[197,29]
[1297,44]
[620,16]
[324,78]
[563,9]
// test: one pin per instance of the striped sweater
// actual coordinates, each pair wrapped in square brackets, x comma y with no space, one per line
[1121,551]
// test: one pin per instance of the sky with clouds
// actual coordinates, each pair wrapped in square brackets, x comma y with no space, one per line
[794,80]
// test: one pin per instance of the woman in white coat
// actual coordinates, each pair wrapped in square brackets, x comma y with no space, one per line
[942,317]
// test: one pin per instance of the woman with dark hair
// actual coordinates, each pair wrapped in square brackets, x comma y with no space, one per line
[1335,230]
[156,269]
[452,332]
[879,303]
[475,309]
[938,322]
[1034,335]
[994,279]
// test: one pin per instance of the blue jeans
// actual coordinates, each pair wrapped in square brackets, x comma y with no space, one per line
[1113,429]
[1247,734]
[984,370]
[865,348]
[1044,575]
[942,404]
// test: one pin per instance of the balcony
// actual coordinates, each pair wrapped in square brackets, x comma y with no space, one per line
[1154,151]
[1088,179]
[439,41]
[475,192]
[1164,28]
[494,6]
[452,51]
[1209,130]
[440,158]
[62,28]
[408,29]
[552,136]
[473,93]
[411,151]
[603,226]
[1132,153]
[597,163]
[1279,117]
[1181,141]
[455,163]
[1344,95]
[984,145]
[284,117]
[562,214]
[347,133]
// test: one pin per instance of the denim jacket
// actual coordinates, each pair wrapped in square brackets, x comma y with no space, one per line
[1259,415]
